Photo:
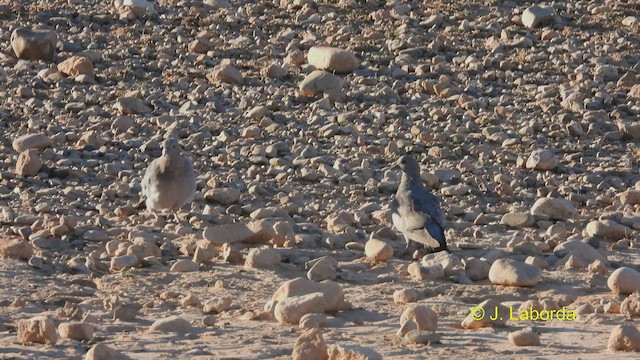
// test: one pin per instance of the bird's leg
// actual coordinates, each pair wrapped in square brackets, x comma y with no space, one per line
[174,211]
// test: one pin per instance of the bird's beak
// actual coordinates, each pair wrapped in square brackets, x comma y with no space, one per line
[395,167]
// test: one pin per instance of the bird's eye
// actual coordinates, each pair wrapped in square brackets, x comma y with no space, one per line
[403,161]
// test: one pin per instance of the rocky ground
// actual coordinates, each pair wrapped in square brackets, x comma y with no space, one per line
[524,120]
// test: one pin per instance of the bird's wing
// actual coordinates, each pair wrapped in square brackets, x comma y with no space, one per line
[149,174]
[426,206]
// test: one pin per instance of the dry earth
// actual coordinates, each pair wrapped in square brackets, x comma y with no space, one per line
[502,105]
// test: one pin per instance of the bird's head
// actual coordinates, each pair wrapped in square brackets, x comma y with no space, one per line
[170,146]
[408,165]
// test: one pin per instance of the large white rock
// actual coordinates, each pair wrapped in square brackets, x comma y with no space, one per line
[320,81]
[624,280]
[31,141]
[76,331]
[173,324]
[332,292]
[310,346]
[535,16]
[34,44]
[263,258]
[378,250]
[608,229]
[254,232]
[292,309]
[332,59]
[514,273]
[624,337]
[29,163]
[553,208]
[541,160]
[39,329]
[422,315]
[524,337]
[104,352]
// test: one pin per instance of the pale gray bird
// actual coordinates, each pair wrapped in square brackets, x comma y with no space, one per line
[415,211]
[169,182]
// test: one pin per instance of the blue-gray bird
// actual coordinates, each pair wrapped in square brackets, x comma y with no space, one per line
[415,211]
[169,182]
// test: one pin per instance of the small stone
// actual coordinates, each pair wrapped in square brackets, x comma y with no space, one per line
[630,197]
[34,44]
[312,321]
[535,16]
[217,305]
[624,338]
[541,160]
[29,163]
[421,315]
[597,267]
[200,46]
[477,269]
[324,269]
[131,105]
[263,258]
[608,229]
[557,209]
[225,73]
[310,346]
[631,305]
[124,262]
[538,261]
[624,280]
[274,71]
[201,254]
[231,254]
[126,312]
[378,250]
[353,352]
[295,57]
[404,296]
[31,141]
[76,331]
[517,219]
[225,196]
[425,273]
[76,65]
[134,9]
[332,59]
[290,310]
[184,265]
[332,292]
[209,320]
[255,232]
[583,254]
[320,81]
[39,329]
[631,21]
[104,352]
[524,337]
[171,324]
[190,300]
[423,337]
[16,249]
[514,273]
